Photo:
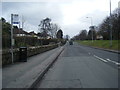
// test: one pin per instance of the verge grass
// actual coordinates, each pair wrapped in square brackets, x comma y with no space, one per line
[102,44]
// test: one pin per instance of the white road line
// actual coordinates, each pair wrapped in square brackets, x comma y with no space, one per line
[100,58]
[108,59]
[117,63]
[113,62]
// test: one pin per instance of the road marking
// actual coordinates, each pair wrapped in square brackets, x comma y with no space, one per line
[117,63]
[113,62]
[108,59]
[89,53]
[100,58]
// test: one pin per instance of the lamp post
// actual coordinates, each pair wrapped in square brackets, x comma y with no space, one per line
[110,27]
[91,25]
[12,37]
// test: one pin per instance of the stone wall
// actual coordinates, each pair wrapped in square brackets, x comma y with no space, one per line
[6,54]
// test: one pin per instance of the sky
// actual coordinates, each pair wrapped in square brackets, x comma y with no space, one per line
[70,15]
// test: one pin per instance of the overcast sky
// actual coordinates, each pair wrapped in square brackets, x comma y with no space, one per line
[70,15]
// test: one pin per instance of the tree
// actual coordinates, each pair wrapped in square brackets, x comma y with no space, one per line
[104,28]
[3,20]
[54,28]
[76,37]
[45,26]
[6,28]
[60,34]
[115,21]
[111,23]
[44,34]
[89,37]
[83,35]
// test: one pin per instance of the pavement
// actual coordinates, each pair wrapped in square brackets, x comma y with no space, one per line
[83,67]
[27,74]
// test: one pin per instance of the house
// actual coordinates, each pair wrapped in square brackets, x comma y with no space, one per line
[99,37]
[20,32]
[33,34]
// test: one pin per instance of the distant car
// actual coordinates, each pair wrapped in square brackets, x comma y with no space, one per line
[71,42]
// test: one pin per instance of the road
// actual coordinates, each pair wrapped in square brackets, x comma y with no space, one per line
[82,67]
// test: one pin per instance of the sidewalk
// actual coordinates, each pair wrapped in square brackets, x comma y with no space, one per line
[24,74]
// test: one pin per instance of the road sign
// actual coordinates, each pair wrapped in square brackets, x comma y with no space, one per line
[15,19]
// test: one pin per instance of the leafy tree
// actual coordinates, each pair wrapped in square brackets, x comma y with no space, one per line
[3,20]
[6,28]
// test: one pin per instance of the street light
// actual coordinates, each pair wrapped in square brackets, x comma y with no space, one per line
[91,25]
[110,27]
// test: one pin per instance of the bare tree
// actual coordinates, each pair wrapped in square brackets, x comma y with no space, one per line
[45,25]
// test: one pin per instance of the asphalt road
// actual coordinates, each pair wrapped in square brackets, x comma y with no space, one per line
[82,67]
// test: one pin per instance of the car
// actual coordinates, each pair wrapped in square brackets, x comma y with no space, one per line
[71,42]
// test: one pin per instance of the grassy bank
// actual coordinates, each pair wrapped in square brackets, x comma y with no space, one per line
[102,44]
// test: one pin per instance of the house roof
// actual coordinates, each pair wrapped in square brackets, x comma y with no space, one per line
[19,31]
[32,33]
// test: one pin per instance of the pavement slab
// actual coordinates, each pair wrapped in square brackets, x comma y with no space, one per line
[24,74]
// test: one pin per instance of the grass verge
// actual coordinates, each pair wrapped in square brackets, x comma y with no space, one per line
[102,44]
